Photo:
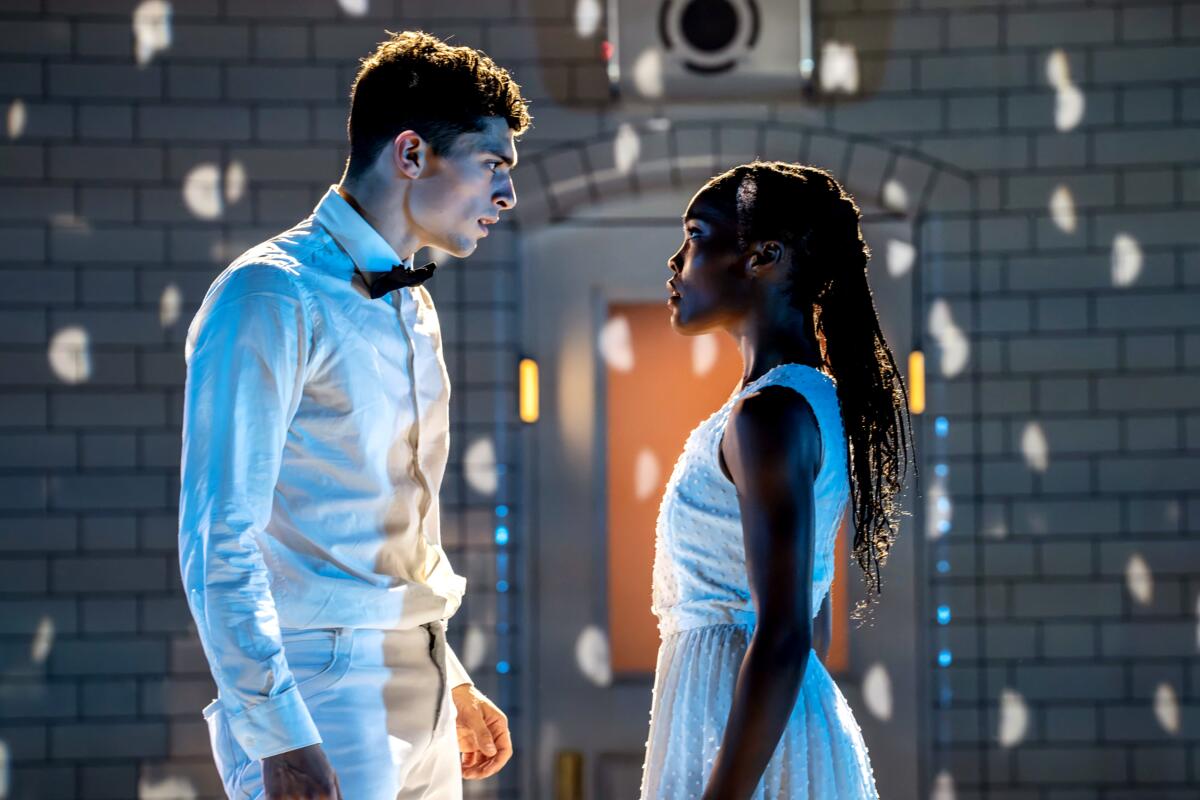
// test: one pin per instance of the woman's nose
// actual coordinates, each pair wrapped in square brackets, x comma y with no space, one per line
[673,263]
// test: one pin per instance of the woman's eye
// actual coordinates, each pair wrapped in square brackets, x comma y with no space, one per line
[691,233]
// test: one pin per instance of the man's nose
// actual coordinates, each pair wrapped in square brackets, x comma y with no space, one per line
[506,198]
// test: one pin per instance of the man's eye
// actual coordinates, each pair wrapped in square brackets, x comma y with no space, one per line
[691,233]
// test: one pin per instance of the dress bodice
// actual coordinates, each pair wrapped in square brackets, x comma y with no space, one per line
[700,560]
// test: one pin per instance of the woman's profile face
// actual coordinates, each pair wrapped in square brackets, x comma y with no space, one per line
[709,285]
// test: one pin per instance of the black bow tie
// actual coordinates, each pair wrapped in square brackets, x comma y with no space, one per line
[398,278]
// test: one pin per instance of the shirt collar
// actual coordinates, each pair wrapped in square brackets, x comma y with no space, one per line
[366,248]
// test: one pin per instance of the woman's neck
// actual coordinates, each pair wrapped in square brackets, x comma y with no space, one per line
[768,341]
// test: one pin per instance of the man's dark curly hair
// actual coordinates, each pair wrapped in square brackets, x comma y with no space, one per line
[415,81]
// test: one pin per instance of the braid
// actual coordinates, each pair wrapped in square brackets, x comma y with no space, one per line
[808,210]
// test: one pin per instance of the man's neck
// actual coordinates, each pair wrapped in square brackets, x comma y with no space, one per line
[375,207]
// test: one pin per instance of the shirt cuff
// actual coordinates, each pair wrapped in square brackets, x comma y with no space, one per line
[275,726]
[456,673]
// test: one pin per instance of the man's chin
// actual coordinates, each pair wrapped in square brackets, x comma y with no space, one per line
[460,247]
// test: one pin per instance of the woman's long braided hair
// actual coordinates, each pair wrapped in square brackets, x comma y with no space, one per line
[808,210]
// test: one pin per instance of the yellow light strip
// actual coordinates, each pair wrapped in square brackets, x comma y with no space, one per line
[527,373]
[916,382]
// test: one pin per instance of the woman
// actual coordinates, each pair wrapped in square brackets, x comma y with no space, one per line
[772,254]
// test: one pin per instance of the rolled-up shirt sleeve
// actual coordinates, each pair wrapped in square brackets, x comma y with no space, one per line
[247,353]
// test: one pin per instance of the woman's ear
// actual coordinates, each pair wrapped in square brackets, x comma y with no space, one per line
[764,258]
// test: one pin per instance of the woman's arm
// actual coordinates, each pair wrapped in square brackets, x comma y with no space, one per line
[772,449]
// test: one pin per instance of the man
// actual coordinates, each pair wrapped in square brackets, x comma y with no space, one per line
[315,438]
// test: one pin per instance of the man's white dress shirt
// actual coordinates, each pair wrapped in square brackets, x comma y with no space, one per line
[315,439]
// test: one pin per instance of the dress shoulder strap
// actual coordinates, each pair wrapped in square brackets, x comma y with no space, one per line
[817,388]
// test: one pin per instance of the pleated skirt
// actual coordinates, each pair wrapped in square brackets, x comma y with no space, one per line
[821,754]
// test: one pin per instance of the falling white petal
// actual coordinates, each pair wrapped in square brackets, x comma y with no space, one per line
[1126,260]
[1034,447]
[479,467]
[900,257]
[1166,708]
[1014,718]
[943,787]
[1062,209]
[1058,68]
[5,767]
[953,344]
[877,692]
[1068,107]
[592,656]
[940,512]
[839,68]
[474,648]
[659,124]
[895,196]
[1139,580]
[151,29]
[170,787]
[202,191]
[17,116]
[235,182]
[704,353]
[70,355]
[626,148]
[940,317]
[43,641]
[1068,102]
[355,8]
[646,474]
[169,305]
[616,344]
[587,17]
[648,73]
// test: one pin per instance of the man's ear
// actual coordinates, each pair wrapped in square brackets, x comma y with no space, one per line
[764,257]
[410,154]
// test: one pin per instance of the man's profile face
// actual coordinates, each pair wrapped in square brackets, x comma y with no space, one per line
[465,189]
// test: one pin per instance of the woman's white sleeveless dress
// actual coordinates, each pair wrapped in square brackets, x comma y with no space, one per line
[705,617]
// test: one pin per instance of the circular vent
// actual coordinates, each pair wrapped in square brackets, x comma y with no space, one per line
[708,36]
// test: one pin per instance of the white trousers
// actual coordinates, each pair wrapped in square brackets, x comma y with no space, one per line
[382,706]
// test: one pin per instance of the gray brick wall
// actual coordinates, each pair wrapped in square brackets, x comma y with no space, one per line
[1037,561]
[95,228]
